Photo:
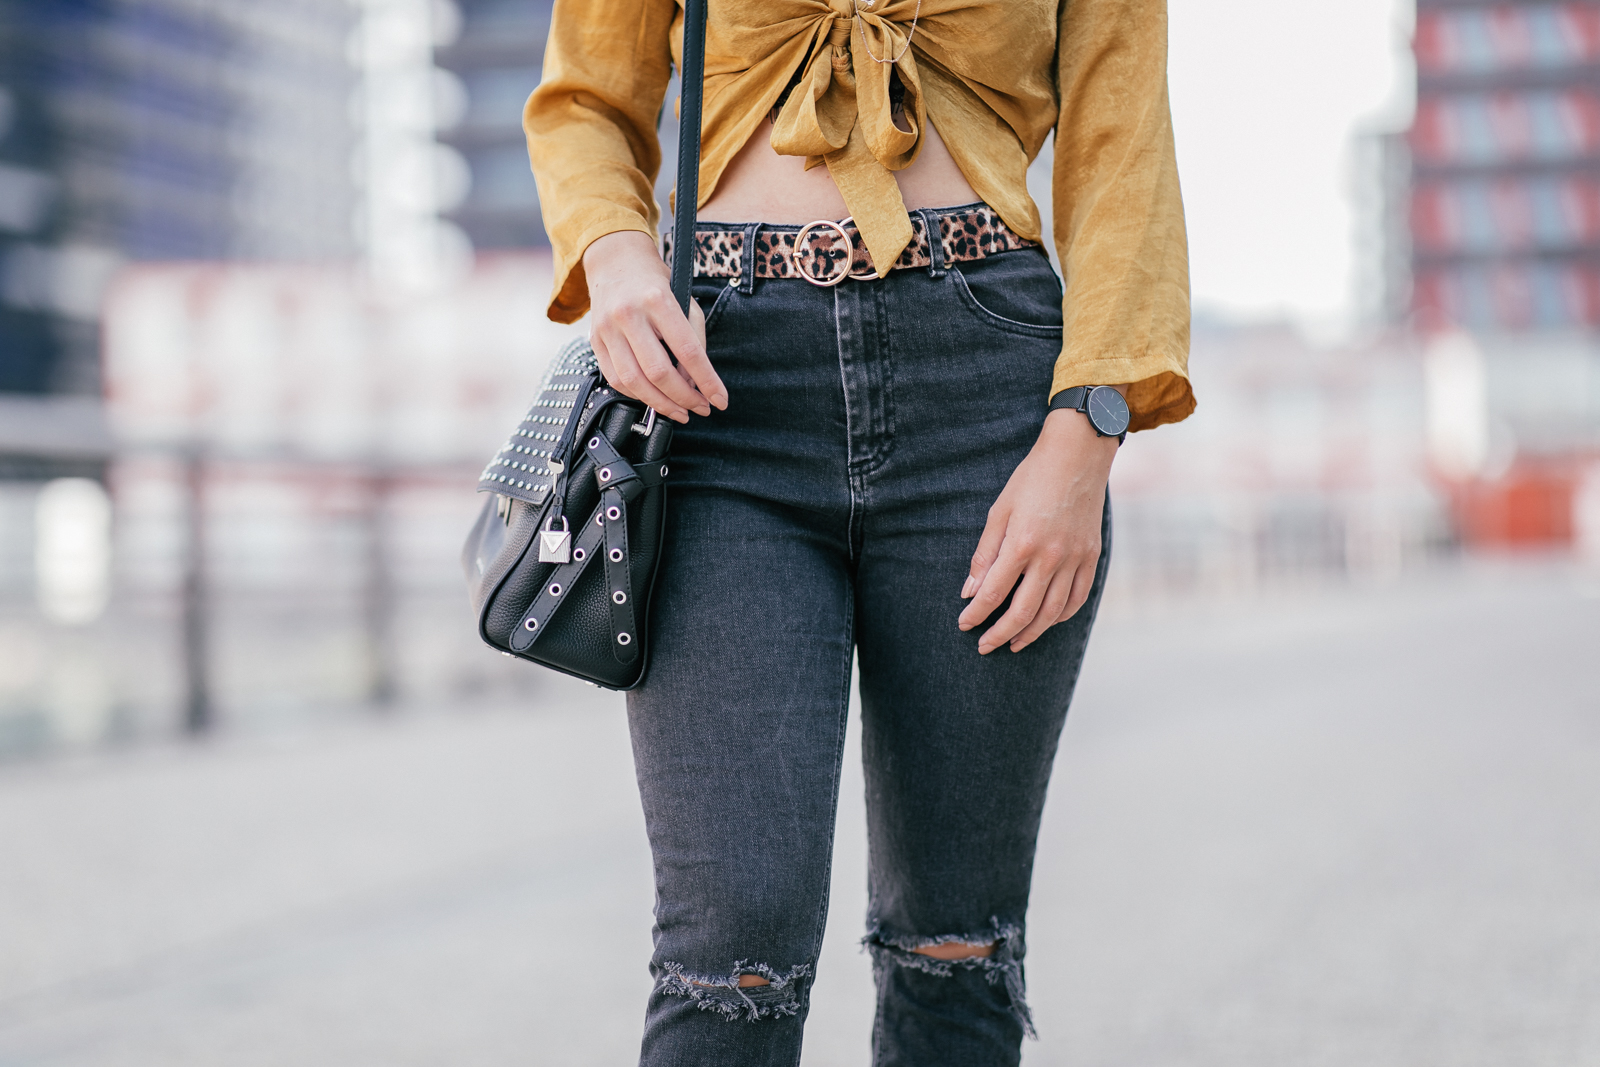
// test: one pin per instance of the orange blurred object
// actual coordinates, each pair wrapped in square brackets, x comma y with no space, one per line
[1529,506]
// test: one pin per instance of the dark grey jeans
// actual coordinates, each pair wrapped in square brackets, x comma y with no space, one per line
[833,509]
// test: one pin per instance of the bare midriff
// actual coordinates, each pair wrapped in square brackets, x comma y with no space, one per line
[762,186]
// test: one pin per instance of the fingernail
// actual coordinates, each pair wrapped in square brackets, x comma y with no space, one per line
[703,409]
[720,398]
[969,587]
[964,626]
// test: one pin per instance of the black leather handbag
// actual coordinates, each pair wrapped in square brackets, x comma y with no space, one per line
[561,560]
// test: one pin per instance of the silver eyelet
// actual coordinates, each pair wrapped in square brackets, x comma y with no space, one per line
[555,588]
[663,470]
[624,639]
[594,442]
[613,513]
[605,474]
[580,554]
[619,597]
[599,520]
[532,624]
[615,555]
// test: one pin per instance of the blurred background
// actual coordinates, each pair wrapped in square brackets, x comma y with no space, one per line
[272,280]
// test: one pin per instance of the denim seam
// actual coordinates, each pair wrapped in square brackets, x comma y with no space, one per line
[838,767]
[885,362]
[849,430]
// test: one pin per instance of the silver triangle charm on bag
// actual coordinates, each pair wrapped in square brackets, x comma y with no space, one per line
[555,546]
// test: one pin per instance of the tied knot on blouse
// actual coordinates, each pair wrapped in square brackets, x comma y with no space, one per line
[842,112]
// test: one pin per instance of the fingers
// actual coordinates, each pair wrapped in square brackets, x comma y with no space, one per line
[994,534]
[1025,603]
[1054,584]
[687,340]
[628,338]
[1082,583]
[621,367]
[1056,598]
[659,371]
[996,584]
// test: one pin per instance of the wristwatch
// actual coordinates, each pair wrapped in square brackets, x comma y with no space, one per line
[1106,410]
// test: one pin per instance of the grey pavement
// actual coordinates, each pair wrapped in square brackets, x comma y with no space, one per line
[1347,826]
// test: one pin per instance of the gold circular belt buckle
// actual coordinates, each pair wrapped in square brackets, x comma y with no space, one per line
[850,254]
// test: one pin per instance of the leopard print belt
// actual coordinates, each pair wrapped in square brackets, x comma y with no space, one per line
[826,253]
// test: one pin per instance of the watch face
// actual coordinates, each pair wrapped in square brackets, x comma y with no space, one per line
[1108,411]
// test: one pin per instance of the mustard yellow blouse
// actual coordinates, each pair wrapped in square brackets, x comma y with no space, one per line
[994,76]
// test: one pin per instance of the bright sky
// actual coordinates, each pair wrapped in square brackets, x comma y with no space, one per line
[1265,96]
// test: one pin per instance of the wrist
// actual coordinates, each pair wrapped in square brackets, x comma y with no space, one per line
[1067,430]
[622,251]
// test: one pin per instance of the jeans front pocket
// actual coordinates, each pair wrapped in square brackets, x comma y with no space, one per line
[711,301]
[1015,291]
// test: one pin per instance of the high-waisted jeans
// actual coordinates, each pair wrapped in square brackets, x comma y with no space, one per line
[833,510]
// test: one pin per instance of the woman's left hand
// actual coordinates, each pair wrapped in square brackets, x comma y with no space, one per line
[1045,530]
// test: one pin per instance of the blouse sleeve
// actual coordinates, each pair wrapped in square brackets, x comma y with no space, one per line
[1118,211]
[591,130]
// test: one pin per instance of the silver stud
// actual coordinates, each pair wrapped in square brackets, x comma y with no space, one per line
[615,555]
[624,639]
[532,624]
[619,597]
[613,513]
[555,588]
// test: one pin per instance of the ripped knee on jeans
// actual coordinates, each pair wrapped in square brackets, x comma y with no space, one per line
[956,950]
[751,991]
[996,952]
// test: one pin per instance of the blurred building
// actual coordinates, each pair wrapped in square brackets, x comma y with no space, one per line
[1505,205]
[1504,240]
[1304,464]
[159,130]
[192,131]
[496,54]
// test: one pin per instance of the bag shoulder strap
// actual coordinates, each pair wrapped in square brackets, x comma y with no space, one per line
[687,202]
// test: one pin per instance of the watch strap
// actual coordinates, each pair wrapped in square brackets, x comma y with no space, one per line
[1077,399]
[1074,399]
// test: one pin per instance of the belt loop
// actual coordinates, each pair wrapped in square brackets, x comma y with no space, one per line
[935,235]
[747,260]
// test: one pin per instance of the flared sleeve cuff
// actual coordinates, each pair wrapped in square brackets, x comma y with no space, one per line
[1158,385]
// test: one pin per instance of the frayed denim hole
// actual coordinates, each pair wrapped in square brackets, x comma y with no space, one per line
[784,995]
[1003,965]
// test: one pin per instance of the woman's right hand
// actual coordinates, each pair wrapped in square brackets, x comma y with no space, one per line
[636,321]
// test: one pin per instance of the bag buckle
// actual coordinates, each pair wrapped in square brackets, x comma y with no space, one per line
[648,424]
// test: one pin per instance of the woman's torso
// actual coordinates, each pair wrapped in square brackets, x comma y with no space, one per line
[759,185]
